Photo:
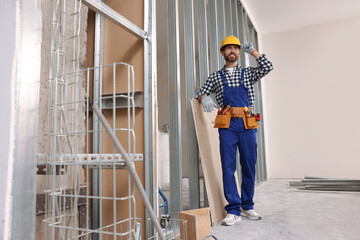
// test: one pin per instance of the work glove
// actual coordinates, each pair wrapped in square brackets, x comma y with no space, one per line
[208,103]
[248,47]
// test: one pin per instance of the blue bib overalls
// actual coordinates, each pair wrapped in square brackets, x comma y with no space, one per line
[232,138]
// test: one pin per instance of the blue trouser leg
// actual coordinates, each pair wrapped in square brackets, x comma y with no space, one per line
[230,139]
[248,155]
[228,148]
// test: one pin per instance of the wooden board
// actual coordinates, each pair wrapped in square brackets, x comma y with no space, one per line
[198,223]
[208,140]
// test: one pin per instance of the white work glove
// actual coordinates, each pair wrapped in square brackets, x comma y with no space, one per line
[208,103]
[248,47]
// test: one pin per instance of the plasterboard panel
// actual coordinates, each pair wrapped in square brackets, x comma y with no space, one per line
[208,140]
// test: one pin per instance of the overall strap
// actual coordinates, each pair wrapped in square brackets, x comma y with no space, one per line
[242,76]
[223,78]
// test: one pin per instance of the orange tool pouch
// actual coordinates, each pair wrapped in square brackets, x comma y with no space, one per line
[250,121]
[223,118]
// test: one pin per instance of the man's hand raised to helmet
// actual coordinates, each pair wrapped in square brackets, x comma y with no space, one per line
[249,48]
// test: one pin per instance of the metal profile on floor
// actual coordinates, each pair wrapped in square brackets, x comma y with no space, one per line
[327,184]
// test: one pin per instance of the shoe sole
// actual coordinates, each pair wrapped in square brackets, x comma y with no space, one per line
[252,218]
[247,216]
[236,220]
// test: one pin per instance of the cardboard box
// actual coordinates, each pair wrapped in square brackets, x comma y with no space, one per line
[198,223]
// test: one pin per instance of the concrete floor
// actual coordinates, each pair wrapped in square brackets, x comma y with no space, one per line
[291,214]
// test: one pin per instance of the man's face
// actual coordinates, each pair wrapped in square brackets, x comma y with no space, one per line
[231,53]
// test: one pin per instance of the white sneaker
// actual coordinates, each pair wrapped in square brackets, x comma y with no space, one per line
[230,219]
[252,214]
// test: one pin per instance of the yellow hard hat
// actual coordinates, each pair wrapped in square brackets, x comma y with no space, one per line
[230,40]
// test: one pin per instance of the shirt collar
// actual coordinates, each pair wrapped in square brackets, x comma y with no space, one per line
[235,68]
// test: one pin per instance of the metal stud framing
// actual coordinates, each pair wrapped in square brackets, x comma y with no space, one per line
[215,20]
[261,164]
[102,10]
[202,41]
[174,108]
[190,77]
[149,109]
[96,123]
[228,19]
[213,36]
[234,15]
[221,17]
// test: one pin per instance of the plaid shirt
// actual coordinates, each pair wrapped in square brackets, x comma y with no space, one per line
[215,84]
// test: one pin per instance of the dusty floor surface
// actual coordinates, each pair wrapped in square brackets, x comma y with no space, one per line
[289,213]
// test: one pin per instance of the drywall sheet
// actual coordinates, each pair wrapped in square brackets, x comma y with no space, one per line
[208,140]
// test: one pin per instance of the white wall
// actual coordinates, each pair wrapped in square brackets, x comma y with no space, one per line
[312,99]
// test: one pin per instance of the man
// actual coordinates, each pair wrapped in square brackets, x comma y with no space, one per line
[234,86]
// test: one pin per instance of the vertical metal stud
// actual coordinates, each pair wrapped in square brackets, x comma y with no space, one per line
[234,17]
[190,77]
[238,30]
[96,123]
[213,34]
[203,51]
[174,108]
[240,15]
[261,163]
[228,18]
[221,29]
[202,41]
[246,36]
[149,109]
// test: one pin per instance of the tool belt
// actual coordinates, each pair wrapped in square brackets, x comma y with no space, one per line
[237,112]
[224,116]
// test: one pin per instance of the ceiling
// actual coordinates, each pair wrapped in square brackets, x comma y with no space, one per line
[283,15]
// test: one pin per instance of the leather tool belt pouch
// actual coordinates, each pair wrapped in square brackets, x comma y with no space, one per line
[237,112]
[223,119]
[250,122]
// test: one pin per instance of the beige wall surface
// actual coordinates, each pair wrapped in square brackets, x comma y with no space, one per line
[312,97]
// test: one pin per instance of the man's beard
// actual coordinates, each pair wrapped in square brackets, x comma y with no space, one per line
[228,59]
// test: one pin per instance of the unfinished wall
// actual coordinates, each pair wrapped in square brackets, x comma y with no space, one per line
[312,97]
[43,138]
[163,86]
[121,46]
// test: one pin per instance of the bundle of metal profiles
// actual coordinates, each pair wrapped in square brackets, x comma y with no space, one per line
[327,184]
